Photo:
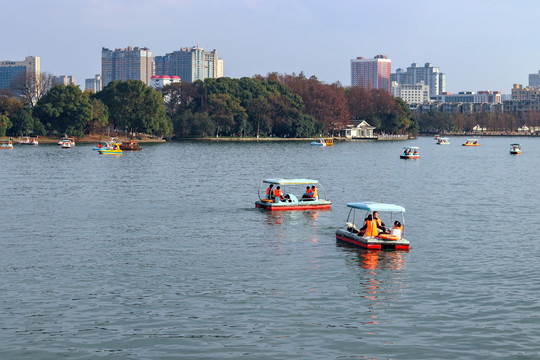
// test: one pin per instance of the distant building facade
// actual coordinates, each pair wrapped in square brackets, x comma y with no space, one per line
[125,64]
[430,75]
[371,73]
[159,81]
[491,97]
[10,70]
[64,80]
[411,94]
[190,64]
[93,84]
[520,92]
[534,80]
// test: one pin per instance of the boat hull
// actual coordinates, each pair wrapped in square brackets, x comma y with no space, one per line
[410,157]
[110,152]
[372,243]
[301,205]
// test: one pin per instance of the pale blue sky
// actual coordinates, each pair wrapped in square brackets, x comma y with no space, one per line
[479,45]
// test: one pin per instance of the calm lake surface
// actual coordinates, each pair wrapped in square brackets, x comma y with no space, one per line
[161,254]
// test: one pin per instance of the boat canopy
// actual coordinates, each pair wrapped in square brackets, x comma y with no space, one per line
[472,140]
[290,181]
[411,147]
[375,206]
[515,145]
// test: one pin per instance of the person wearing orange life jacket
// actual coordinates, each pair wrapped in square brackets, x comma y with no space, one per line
[370,228]
[278,194]
[308,194]
[380,224]
[314,193]
[270,192]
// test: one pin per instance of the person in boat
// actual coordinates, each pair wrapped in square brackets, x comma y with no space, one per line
[380,224]
[314,193]
[308,194]
[415,152]
[270,192]
[370,228]
[278,194]
[397,230]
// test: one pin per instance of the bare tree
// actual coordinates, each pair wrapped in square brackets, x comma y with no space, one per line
[31,87]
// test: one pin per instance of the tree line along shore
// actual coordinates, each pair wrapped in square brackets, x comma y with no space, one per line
[272,106]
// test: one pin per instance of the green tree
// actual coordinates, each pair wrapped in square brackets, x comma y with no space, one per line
[100,117]
[5,124]
[136,107]
[23,123]
[65,109]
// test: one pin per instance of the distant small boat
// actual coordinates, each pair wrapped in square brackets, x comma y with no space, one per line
[66,145]
[443,141]
[471,142]
[515,149]
[29,141]
[436,137]
[114,149]
[319,142]
[410,152]
[6,144]
[130,145]
[64,141]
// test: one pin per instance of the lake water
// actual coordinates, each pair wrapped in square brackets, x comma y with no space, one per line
[161,254]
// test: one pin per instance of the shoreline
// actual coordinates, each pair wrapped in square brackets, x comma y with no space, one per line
[91,139]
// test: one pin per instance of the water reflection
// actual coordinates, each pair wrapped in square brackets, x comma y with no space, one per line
[381,277]
[279,218]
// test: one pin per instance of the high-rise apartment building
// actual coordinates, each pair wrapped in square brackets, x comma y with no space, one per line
[125,64]
[411,94]
[190,64]
[64,80]
[430,75]
[534,80]
[93,84]
[371,73]
[10,70]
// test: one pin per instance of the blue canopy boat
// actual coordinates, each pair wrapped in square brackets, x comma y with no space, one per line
[354,236]
[290,201]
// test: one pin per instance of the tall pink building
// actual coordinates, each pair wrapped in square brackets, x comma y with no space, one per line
[371,73]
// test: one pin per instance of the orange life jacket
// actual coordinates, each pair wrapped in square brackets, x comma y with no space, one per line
[371,229]
[379,221]
[269,192]
[309,192]
[278,193]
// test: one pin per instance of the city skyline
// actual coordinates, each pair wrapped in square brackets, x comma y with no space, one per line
[474,43]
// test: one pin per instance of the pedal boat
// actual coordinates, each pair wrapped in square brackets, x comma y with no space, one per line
[410,152]
[443,141]
[515,149]
[31,141]
[114,149]
[350,234]
[319,142]
[66,145]
[471,142]
[6,144]
[291,201]
[65,140]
